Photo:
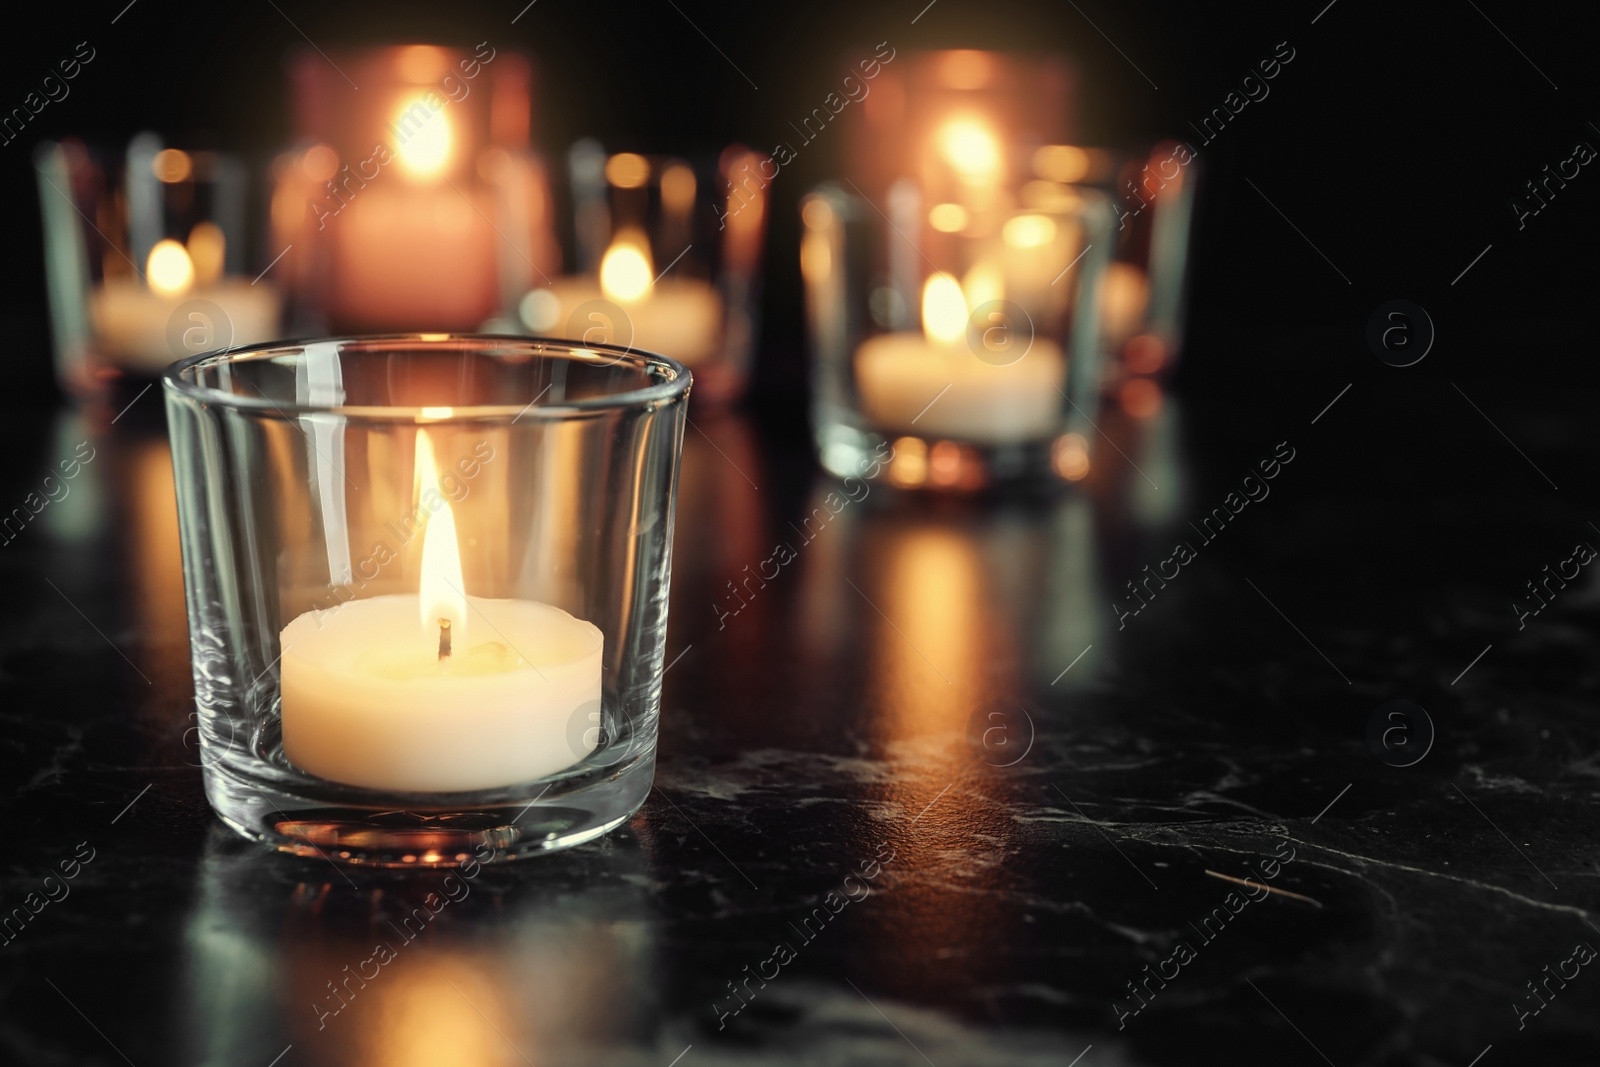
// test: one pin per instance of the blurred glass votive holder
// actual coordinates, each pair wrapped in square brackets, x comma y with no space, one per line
[1143,300]
[954,344]
[957,120]
[415,203]
[665,255]
[427,589]
[145,259]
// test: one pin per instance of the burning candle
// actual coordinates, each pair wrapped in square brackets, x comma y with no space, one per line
[133,321]
[412,248]
[439,691]
[933,384]
[676,317]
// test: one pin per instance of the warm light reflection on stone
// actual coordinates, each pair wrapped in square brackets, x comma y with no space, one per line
[439,1009]
[155,556]
[932,591]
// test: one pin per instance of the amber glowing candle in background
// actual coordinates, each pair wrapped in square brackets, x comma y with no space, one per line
[416,199]
[944,140]
[145,257]
[677,317]
[953,296]
[666,259]
[953,121]
[968,138]
[412,214]
[134,321]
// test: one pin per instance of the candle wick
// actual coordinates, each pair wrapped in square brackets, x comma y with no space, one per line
[444,640]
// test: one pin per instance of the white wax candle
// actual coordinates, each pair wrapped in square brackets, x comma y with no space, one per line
[898,375]
[680,318]
[412,257]
[133,323]
[368,702]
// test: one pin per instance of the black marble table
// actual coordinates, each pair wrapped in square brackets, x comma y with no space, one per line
[936,794]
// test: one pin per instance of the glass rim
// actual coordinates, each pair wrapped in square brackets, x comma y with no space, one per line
[176,382]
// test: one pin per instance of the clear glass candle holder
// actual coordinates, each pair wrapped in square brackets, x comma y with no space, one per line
[146,259]
[924,113]
[427,589]
[954,343]
[664,254]
[415,203]
[1142,302]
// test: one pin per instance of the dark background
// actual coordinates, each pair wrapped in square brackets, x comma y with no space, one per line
[1395,141]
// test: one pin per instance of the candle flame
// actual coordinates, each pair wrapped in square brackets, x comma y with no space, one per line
[442,589]
[425,137]
[625,271]
[944,309]
[169,269]
[970,147]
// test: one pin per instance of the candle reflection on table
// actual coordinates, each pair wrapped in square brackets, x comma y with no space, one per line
[536,987]
[928,646]
[155,557]
[473,974]
[938,602]
[136,466]
[447,1007]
